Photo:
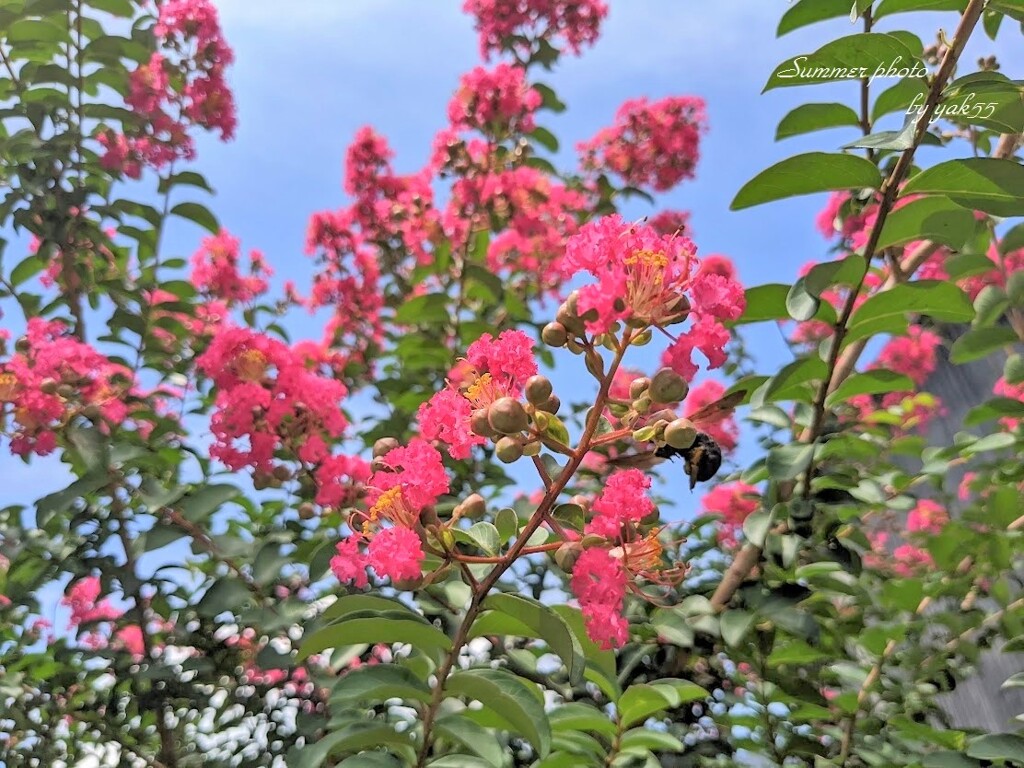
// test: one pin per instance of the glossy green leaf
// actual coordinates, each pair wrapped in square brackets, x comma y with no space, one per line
[378,683]
[992,185]
[375,630]
[932,218]
[815,117]
[889,7]
[472,736]
[198,214]
[849,58]
[511,698]
[548,625]
[904,96]
[875,382]
[979,342]
[735,623]
[997,746]
[347,604]
[936,299]
[806,174]
[805,12]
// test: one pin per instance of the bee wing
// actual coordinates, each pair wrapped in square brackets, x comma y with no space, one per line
[719,408]
[639,460]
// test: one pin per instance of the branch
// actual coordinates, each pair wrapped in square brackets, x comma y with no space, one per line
[750,555]
[539,516]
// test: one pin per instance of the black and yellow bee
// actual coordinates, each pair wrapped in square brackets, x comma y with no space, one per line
[703,459]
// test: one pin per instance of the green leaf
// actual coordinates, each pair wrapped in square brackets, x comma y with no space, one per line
[947,760]
[821,277]
[375,630]
[735,624]
[183,179]
[549,627]
[792,375]
[347,604]
[757,526]
[899,97]
[815,117]
[507,523]
[472,736]
[979,342]
[198,214]
[988,99]
[932,218]
[897,141]
[794,652]
[805,12]
[601,668]
[485,535]
[428,309]
[997,746]
[889,7]
[227,594]
[545,138]
[765,302]
[994,442]
[581,717]
[1013,369]
[1013,240]
[849,58]
[936,299]
[26,268]
[641,701]
[377,684]
[516,701]
[800,303]
[35,31]
[805,174]
[992,185]
[785,462]
[204,501]
[869,383]
[359,737]
[371,760]
[995,408]
[989,305]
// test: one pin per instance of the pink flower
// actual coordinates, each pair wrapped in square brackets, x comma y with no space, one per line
[599,583]
[417,469]
[912,355]
[83,599]
[910,560]
[339,479]
[671,223]
[446,417]
[349,564]
[508,359]
[500,22]
[623,500]
[130,639]
[651,144]
[1003,388]
[735,502]
[927,517]
[708,337]
[215,270]
[496,101]
[396,553]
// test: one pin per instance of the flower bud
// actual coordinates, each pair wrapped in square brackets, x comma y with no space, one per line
[594,363]
[643,339]
[22,345]
[567,555]
[532,448]
[541,420]
[384,445]
[508,450]
[48,386]
[680,433]
[638,387]
[678,311]
[479,424]
[554,335]
[643,403]
[472,507]
[507,416]
[574,346]
[667,386]
[538,389]
[567,316]
[261,481]
[376,465]
[282,473]
[307,511]
[408,585]
[66,391]
[551,405]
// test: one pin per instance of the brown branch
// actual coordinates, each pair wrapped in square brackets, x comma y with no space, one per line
[750,555]
[539,516]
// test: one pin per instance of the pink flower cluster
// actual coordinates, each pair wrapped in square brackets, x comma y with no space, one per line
[602,573]
[384,537]
[271,399]
[503,23]
[927,517]
[654,279]
[651,144]
[83,598]
[53,379]
[1003,388]
[912,355]
[496,101]
[215,270]
[735,502]
[171,95]
[494,368]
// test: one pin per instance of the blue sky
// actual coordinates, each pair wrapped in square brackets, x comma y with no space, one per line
[309,73]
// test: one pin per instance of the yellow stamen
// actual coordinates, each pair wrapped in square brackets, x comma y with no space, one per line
[250,365]
[390,506]
[8,387]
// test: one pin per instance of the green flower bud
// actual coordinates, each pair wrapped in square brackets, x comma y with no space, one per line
[554,335]
[680,433]
[667,386]
[507,416]
[508,450]
[538,389]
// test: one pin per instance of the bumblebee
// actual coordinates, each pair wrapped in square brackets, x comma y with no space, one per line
[702,460]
